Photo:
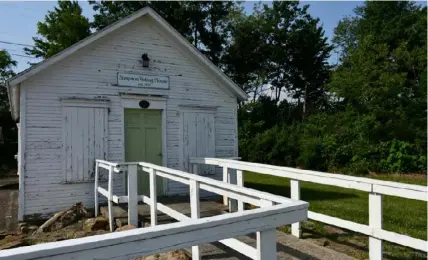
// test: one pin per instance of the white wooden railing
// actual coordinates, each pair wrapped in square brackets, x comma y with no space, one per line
[191,231]
[157,239]
[375,188]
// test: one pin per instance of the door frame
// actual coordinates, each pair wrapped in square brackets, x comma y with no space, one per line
[156,103]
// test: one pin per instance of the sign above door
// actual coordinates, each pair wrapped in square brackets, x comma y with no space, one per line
[142,81]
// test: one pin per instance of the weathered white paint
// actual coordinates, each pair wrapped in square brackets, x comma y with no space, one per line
[266,241]
[402,190]
[181,42]
[153,198]
[240,182]
[295,194]
[110,199]
[195,212]
[146,241]
[91,73]
[198,131]
[225,180]
[195,184]
[21,154]
[132,195]
[84,138]
[230,242]
[375,222]
[227,189]
[374,230]
[96,204]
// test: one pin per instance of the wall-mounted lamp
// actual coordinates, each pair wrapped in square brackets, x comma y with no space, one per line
[145,60]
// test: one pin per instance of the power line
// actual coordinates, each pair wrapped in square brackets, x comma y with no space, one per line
[24,56]
[14,43]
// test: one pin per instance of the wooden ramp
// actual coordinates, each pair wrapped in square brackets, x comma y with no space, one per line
[208,208]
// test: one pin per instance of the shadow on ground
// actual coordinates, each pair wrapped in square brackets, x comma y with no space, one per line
[307,193]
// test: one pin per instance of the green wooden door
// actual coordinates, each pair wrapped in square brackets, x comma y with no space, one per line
[143,143]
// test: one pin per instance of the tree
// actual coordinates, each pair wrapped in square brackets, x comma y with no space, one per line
[382,76]
[62,27]
[8,131]
[6,64]
[246,56]
[204,23]
[283,47]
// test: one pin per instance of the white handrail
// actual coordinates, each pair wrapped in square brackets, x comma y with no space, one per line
[147,241]
[403,190]
[376,189]
[195,182]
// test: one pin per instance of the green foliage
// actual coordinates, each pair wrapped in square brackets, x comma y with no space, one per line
[374,114]
[63,27]
[8,131]
[282,46]
[403,157]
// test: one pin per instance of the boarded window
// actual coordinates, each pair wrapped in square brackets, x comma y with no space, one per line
[85,139]
[198,138]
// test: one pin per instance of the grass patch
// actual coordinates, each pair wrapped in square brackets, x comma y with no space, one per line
[400,215]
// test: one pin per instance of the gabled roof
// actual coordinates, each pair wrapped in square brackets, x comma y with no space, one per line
[240,94]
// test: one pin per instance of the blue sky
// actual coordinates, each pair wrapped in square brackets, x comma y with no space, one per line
[18,21]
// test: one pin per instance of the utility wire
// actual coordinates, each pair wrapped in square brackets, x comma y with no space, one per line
[25,56]
[14,43]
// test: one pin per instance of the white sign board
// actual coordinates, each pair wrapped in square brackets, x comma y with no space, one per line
[142,81]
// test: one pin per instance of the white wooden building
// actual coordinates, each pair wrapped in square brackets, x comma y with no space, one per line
[96,100]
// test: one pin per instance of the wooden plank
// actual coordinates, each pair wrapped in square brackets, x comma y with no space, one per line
[210,184]
[132,195]
[266,242]
[240,182]
[403,192]
[410,191]
[91,143]
[375,222]
[360,228]
[295,194]
[399,239]
[96,190]
[153,198]
[147,241]
[110,199]
[195,213]
[225,180]
[291,174]
[266,245]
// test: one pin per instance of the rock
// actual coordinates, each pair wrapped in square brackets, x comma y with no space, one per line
[127,227]
[325,242]
[93,224]
[22,224]
[24,229]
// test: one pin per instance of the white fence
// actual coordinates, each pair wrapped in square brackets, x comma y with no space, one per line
[375,188]
[191,231]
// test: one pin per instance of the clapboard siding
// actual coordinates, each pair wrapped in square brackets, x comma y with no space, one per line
[92,73]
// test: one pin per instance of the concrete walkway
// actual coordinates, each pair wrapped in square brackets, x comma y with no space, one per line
[288,247]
